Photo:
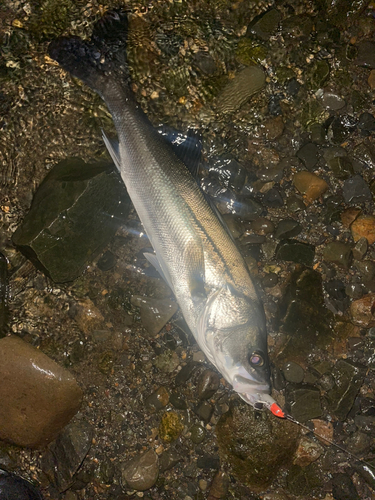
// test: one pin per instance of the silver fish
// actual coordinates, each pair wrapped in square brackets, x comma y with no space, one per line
[193,250]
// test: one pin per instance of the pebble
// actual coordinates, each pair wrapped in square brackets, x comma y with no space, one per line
[310,185]
[366,122]
[318,133]
[30,380]
[354,290]
[178,401]
[142,472]
[197,434]
[323,430]
[273,128]
[273,199]
[296,251]
[107,261]
[219,486]
[262,226]
[204,411]
[203,485]
[362,311]
[366,54]
[167,361]
[294,204]
[341,167]
[158,399]
[339,253]
[87,316]
[169,459]
[287,228]
[341,128]
[364,227]
[239,90]
[185,373]
[309,155]
[170,427]
[155,313]
[360,248]
[208,383]
[293,372]
[273,173]
[366,269]
[349,215]
[332,101]
[208,462]
[270,280]
[343,487]
[356,190]
[308,451]
[371,79]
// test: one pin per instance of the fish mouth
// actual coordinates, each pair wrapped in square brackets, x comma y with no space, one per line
[258,400]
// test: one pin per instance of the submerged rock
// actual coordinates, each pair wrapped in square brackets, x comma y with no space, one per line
[303,298]
[30,382]
[310,185]
[155,313]
[239,90]
[255,444]
[142,472]
[364,227]
[75,211]
[170,426]
[14,487]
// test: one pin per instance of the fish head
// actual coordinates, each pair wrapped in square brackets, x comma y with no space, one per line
[235,340]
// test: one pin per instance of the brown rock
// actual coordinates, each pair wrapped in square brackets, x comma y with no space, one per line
[274,127]
[219,487]
[307,452]
[364,227]
[323,430]
[310,185]
[362,311]
[142,472]
[371,79]
[88,316]
[38,397]
[349,215]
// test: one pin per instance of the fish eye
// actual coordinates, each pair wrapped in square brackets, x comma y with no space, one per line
[256,359]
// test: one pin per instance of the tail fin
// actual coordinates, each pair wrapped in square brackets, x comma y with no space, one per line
[94,60]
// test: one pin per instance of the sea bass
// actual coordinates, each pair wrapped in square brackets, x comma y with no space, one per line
[193,251]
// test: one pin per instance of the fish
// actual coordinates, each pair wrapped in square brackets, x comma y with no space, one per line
[193,250]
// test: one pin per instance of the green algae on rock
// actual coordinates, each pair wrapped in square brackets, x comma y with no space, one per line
[256,445]
[75,212]
[170,426]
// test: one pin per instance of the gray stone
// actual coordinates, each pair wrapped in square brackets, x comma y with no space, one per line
[348,378]
[155,313]
[303,402]
[356,190]
[296,251]
[287,228]
[293,372]
[142,472]
[309,155]
[339,253]
[208,384]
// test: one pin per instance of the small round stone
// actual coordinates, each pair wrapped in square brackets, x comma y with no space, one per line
[197,434]
[293,372]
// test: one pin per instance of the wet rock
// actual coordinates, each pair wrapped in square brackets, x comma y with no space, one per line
[178,401]
[273,199]
[262,226]
[293,372]
[356,190]
[318,134]
[296,251]
[348,378]
[341,167]
[170,426]
[320,73]
[354,290]
[303,402]
[298,26]
[343,488]
[208,383]
[293,87]
[76,210]
[142,472]
[363,311]
[360,248]
[323,430]
[366,122]
[309,155]
[310,185]
[366,54]
[371,79]
[87,316]
[270,280]
[294,204]
[332,101]
[204,411]
[287,228]
[185,373]
[198,434]
[303,481]
[364,227]
[219,487]
[339,253]
[167,361]
[273,128]
[303,298]
[341,128]
[208,462]
[65,455]
[107,261]
[155,313]
[349,215]
[366,472]
[239,90]
[157,400]
[366,269]
[14,487]
[169,459]
[30,381]
[3,295]
[255,444]
[204,62]
[264,25]
[308,451]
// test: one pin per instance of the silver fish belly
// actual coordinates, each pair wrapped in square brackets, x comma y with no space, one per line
[193,251]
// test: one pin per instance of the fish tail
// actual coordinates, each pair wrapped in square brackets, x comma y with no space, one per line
[100,61]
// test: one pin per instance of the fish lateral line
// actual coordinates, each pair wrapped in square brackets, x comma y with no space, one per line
[276,410]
